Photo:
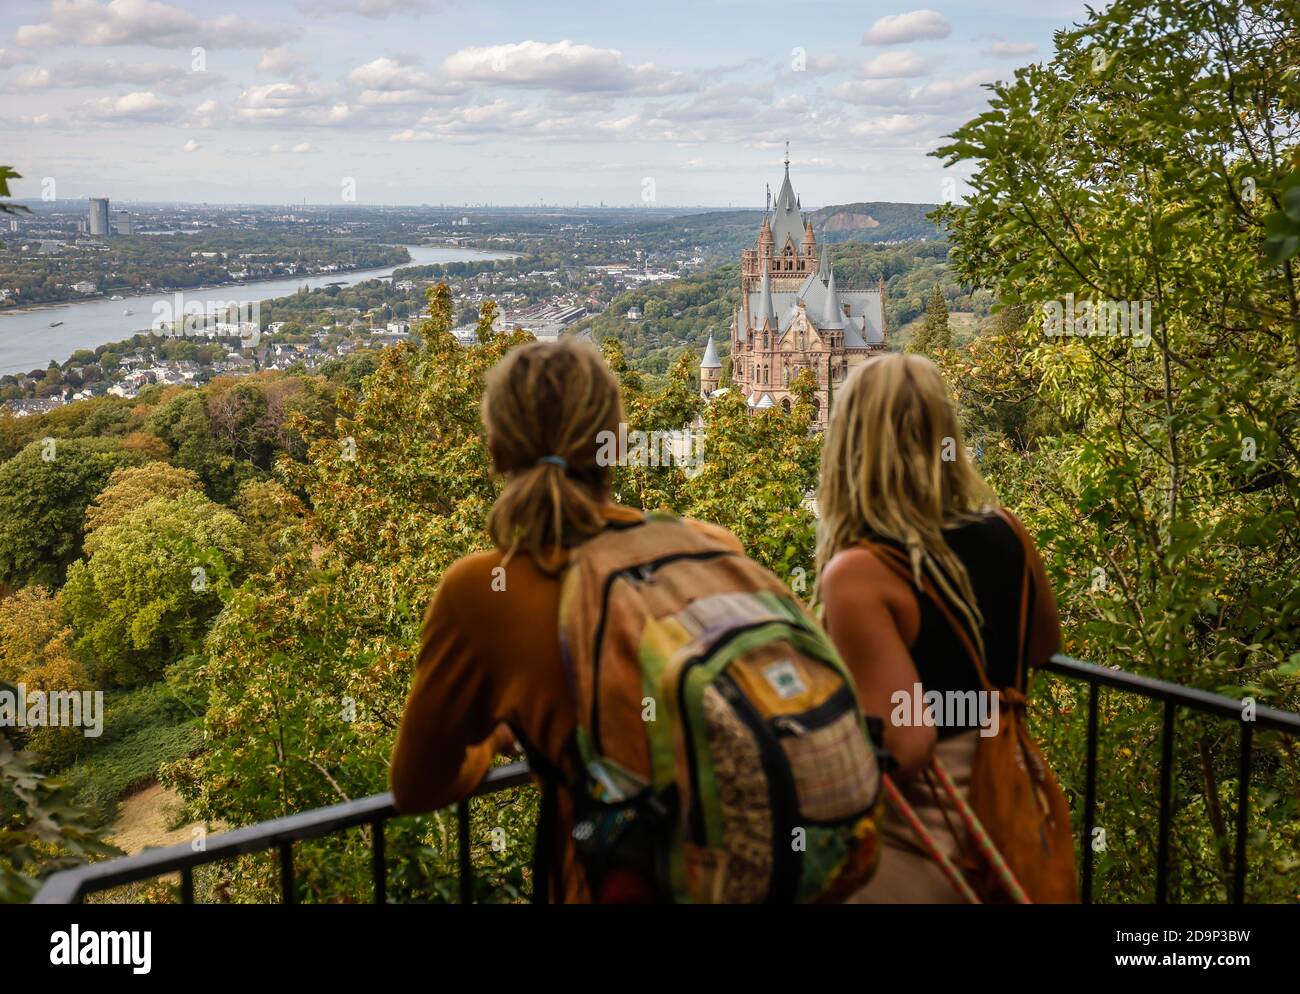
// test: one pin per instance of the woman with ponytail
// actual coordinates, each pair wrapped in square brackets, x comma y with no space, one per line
[490,672]
[923,582]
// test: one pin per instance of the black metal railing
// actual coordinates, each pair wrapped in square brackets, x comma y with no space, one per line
[1173,696]
[70,886]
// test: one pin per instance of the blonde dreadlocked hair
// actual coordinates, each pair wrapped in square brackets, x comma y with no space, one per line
[544,406]
[894,467]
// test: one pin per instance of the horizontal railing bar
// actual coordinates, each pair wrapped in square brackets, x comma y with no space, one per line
[1161,690]
[67,886]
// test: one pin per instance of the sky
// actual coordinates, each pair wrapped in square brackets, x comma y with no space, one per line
[470,102]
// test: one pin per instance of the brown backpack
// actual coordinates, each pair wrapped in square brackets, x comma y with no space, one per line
[1013,792]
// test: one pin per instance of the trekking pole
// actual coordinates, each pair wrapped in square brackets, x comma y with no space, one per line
[945,862]
[981,837]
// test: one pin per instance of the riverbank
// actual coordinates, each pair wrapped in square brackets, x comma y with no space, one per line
[28,342]
[134,293]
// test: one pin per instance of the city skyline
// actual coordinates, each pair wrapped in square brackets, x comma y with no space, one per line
[403,102]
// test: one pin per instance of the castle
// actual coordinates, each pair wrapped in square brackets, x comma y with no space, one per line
[793,317]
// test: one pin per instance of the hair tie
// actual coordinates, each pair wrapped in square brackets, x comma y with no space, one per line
[554,461]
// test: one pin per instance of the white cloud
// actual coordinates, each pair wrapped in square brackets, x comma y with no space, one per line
[98,75]
[1010,49]
[280,61]
[10,58]
[290,103]
[820,65]
[205,114]
[142,106]
[915,25]
[873,92]
[892,126]
[190,146]
[365,8]
[560,66]
[389,75]
[961,92]
[142,22]
[894,65]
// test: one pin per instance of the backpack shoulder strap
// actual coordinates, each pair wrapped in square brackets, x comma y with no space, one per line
[546,841]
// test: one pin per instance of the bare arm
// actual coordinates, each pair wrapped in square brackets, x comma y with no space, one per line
[871,615]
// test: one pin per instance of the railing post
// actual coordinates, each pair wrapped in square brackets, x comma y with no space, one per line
[378,863]
[1243,815]
[466,864]
[1166,797]
[1090,791]
[287,895]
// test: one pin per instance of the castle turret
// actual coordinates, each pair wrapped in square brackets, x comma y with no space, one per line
[766,306]
[710,370]
[832,317]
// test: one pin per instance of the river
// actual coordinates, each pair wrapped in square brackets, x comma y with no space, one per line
[28,342]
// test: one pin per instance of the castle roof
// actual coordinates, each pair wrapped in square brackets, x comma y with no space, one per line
[832,315]
[863,326]
[710,360]
[787,221]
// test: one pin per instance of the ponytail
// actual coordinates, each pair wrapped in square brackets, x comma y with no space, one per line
[544,408]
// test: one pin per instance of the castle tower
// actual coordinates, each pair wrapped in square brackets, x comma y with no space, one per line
[795,316]
[710,370]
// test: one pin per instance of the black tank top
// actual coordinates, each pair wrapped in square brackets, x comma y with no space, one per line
[994,558]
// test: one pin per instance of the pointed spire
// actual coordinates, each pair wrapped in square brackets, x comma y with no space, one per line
[766,307]
[785,200]
[832,316]
[824,269]
[710,360]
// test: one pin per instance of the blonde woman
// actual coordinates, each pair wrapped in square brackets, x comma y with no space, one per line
[897,486]
[490,667]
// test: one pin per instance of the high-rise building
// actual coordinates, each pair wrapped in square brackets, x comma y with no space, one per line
[122,225]
[97,218]
[792,316]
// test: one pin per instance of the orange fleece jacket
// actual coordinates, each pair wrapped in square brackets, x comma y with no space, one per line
[489,656]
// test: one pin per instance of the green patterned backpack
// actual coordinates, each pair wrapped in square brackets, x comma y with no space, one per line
[724,757]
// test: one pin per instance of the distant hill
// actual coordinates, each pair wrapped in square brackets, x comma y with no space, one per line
[722,234]
[875,222]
